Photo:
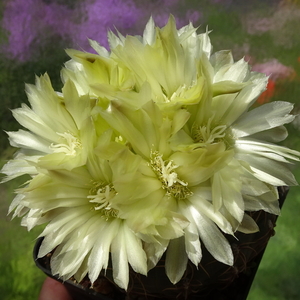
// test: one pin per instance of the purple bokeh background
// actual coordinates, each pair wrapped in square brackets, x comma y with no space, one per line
[29,25]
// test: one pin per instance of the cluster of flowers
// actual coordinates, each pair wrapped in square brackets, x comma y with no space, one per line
[149,149]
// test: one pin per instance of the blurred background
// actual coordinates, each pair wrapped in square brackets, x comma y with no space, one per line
[33,36]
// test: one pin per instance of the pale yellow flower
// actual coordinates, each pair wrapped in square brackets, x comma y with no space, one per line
[78,206]
[166,65]
[58,125]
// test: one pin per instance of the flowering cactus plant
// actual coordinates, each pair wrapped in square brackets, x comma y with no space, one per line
[149,149]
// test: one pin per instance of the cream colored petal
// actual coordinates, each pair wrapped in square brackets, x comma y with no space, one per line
[206,208]
[268,150]
[268,170]
[259,203]
[135,254]
[30,120]
[262,118]
[191,235]
[102,51]
[220,59]
[120,261]
[99,257]
[149,34]
[212,238]
[236,72]
[248,225]
[27,140]
[19,166]
[154,249]
[63,223]
[176,260]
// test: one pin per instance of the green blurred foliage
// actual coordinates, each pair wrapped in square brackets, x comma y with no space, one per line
[19,277]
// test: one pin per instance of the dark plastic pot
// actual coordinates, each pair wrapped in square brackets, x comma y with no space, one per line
[212,280]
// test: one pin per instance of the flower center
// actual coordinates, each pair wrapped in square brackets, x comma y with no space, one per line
[208,134]
[69,145]
[169,178]
[101,196]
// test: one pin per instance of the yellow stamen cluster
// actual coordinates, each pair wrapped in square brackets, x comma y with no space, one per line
[207,134]
[169,178]
[68,146]
[101,195]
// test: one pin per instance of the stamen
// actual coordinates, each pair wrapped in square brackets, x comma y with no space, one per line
[69,145]
[102,198]
[207,135]
[165,172]
[119,139]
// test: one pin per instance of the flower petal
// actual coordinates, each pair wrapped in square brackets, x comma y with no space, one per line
[176,260]
[262,118]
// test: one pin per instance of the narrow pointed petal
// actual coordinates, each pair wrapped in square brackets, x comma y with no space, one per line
[262,118]
[176,260]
